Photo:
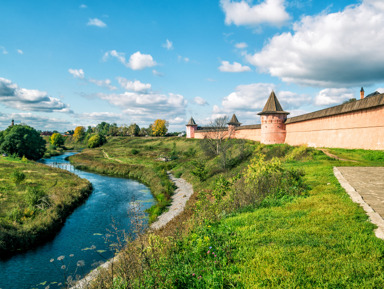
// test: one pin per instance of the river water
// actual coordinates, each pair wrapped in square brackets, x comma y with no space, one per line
[85,239]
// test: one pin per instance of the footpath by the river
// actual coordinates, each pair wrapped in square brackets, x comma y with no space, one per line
[183,192]
[365,186]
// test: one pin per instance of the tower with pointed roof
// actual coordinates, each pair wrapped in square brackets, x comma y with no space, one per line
[273,119]
[191,128]
[232,124]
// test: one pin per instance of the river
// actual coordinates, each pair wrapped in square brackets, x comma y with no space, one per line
[82,243]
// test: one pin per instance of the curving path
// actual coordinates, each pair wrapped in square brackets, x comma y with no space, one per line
[179,199]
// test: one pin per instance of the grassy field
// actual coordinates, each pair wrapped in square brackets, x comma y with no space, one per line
[291,226]
[142,159]
[34,201]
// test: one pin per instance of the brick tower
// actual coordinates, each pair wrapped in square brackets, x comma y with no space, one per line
[191,128]
[273,119]
[232,124]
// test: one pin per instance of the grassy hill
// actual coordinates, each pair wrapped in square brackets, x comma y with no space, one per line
[34,201]
[276,217]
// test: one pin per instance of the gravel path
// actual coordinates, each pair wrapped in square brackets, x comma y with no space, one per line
[182,194]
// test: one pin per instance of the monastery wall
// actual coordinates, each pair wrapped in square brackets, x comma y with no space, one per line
[362,129]
[354,125]
[248,133]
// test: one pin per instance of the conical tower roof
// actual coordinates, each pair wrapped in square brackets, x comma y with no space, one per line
[234,121]
[191,122]
[273,105]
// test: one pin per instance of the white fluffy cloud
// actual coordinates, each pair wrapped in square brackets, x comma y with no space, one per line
[146,107]
[76,73]
[329,50]
[247,100]
[20,51]
[136,85]
[29,99]
[96,22]
[333,96]
[200,101]
[168,45]
[243,13]
[137,61]
[235,67]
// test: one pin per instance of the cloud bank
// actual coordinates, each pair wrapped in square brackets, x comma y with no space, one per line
[342,49]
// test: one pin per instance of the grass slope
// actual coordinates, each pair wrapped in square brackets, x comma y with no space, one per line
[319,239]
[33,209]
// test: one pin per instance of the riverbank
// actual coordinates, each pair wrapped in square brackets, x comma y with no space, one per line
[35,200]
[138,159]
[301,232]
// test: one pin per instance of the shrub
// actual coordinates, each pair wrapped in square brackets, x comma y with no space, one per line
[134,151]
[96,141]
[200,170]
[17,176]
[34,196]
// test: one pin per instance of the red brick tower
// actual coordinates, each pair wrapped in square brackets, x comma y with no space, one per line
[191,128]
[273,119]
[232,124]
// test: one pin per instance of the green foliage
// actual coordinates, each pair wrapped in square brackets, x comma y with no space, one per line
[34,209]
[133,129]
[17,176]
[22,140]
[134,151]
[200,170]
[96,141]
[57,139]
[34,196]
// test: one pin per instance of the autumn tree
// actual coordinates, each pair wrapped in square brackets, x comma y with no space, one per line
[79,133]
[133,129]
[57,139]
[159,127]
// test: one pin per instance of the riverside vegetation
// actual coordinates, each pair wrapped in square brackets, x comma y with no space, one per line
[34,201]
[274,217]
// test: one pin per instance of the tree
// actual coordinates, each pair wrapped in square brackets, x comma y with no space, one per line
[159,127]
[57,139]
[103,128]
[79,133]
[22,140]
[217,140]
[143,132]
[96,140]
[133,129]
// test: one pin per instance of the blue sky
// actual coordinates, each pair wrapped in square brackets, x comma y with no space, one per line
[70,63]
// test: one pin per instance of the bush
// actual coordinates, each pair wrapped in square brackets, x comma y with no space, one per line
[17,177]
[96,141]
[134,151]
[34,196]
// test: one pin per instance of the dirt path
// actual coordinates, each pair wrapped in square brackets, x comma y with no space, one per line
[108,157]
[182,194]
[335,156]
[179,199]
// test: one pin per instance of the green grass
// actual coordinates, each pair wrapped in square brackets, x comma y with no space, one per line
[318,239]
[33,209]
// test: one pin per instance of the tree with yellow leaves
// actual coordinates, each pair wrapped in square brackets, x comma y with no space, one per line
[79,133]
[159,127]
